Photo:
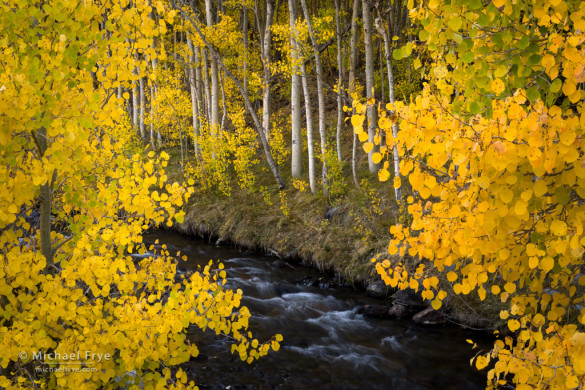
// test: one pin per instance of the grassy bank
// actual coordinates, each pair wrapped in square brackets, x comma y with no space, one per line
[340,236]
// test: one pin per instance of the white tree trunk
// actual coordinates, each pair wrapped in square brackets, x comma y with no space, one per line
[339,84]
[142,104]
[353,44]
[354,49]
[295,97]
[206,86]
[320,97]
[193,87]
[372,110]
[245,39]
[214,120]
[266,44]
[309,115]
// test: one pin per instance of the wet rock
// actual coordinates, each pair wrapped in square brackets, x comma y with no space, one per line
[325,282]
[321,282]
[377,289]
[429,316]
[408,298]
[306,281]
[277,264]
[374,311]
[272,252]
[398,311]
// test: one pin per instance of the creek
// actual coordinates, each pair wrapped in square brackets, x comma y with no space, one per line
[327,344]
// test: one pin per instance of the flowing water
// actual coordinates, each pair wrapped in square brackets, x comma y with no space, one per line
[327,344]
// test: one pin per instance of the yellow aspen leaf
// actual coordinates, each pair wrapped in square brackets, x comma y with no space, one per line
[357,120]
[451,276]
[425,192]
[376,157]
[540,188]
[569,87]
[383,174]
[368,146]
[513,325]
[572,382]
[482,293]
[506,195]
[436,304]
[498,85]
[547,263]
[397,182]
[510,287]
[558,228]
[482,361]
[548,61]
[363,136]
[520,207]
[413,284]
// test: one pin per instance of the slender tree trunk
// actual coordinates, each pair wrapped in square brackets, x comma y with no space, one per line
[206,87]
[372,110]
[142,104]
[193,87]
[152,108]
[354,49]
[214,123]
[339,83]
[135,94]
[224,111]
[266,44]
[309,115]
[245,39]
[382,100]
[295,97]
[353,45]
[320,97]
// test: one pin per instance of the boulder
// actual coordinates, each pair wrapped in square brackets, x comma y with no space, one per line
[374,311]
[408,298]
[377,289]
[429,316]
[398,311]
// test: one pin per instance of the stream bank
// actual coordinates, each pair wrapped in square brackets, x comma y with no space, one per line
[339,239]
